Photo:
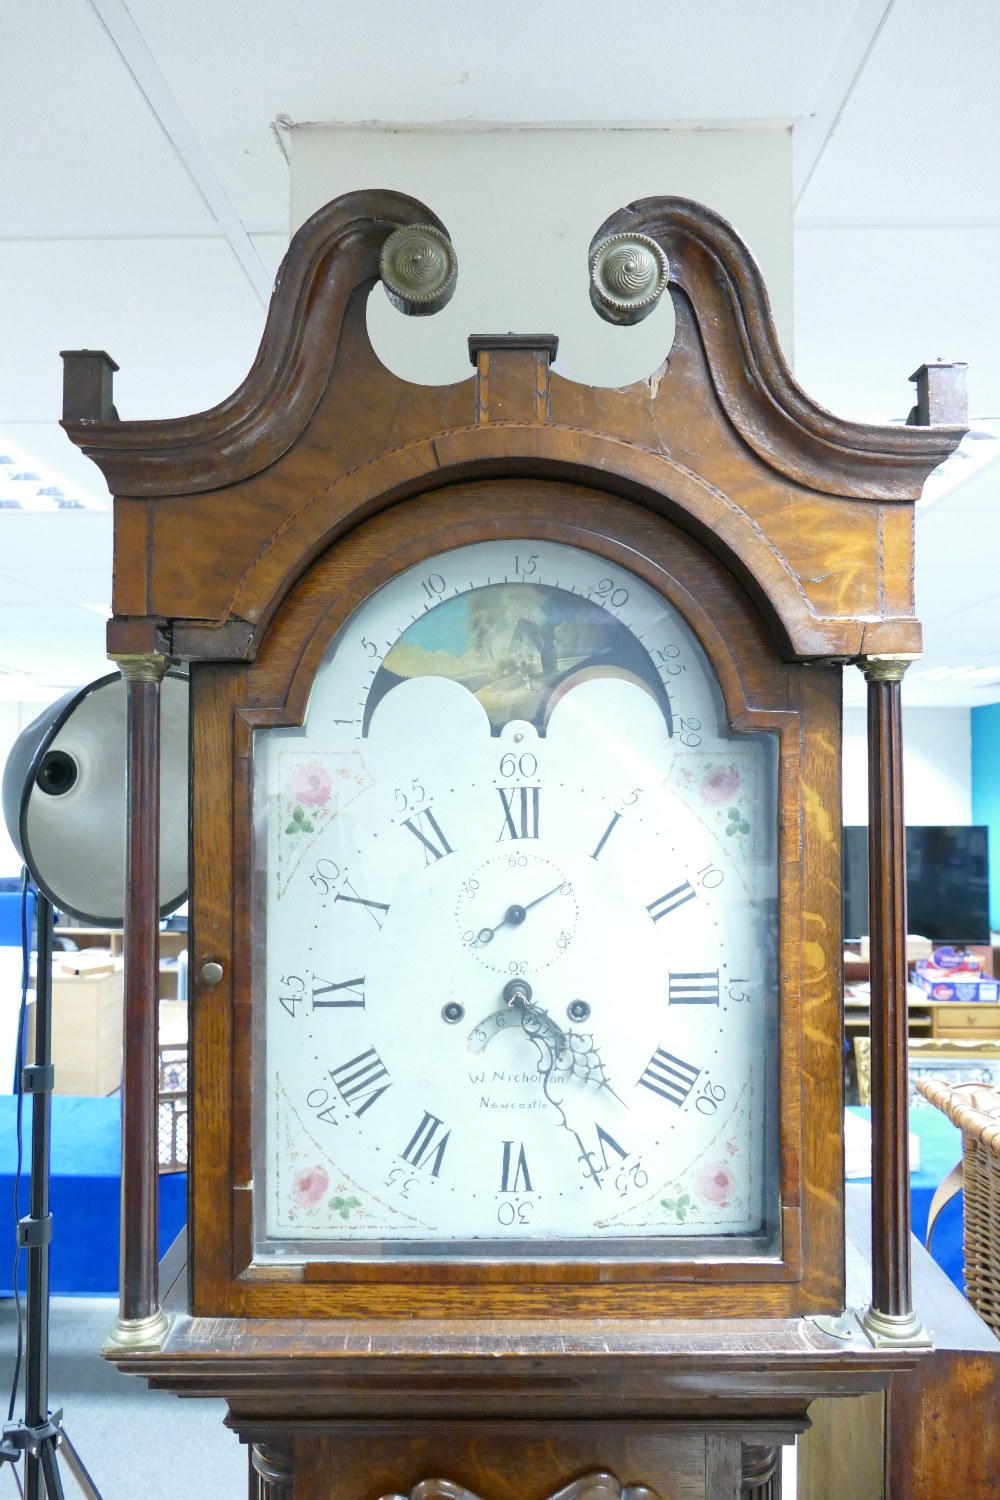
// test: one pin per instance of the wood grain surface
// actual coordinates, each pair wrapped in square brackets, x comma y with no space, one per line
[217,513]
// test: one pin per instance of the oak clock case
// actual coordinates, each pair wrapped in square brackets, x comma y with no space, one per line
[516,966]
[506,1026]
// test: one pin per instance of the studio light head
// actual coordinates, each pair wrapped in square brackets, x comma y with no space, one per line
[64,799]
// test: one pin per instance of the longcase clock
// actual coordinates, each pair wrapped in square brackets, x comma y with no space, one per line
[516,1113]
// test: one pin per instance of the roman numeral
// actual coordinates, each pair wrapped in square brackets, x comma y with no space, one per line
[373,907]
[357,1079]
[604,1140]
[520,1170]
[355,989]
[671,901]
[669,1077]
[520,812]
[425,1144]
[435,845]
[607,834]
[694,989]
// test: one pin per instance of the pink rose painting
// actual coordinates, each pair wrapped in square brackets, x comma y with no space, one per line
[719,785]
[714,1183]
[311,785]
[311,1183]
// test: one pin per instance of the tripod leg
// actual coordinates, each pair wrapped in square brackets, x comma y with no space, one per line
[50,1471]
[75,1465]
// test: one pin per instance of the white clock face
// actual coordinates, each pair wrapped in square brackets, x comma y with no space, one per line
[516,972]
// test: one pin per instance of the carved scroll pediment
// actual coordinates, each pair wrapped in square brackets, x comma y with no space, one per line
[598,1486]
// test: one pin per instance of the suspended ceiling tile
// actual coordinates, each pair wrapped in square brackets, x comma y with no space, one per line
[46,442]
[918,134]
[946,591]
[574,61]
[873,304]
[178,316]
[84,152]
[962,540]
[59,643]
[39,586]
[69,540]
[271,249]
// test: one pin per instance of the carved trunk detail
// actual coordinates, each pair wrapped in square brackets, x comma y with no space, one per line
[591,1487]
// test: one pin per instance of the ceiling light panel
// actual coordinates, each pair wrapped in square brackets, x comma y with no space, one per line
[27,484]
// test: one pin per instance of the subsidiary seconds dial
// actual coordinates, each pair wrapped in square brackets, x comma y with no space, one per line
[516,913]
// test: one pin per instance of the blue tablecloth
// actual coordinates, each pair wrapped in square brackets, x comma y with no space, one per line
[85,1193]
[940,1148]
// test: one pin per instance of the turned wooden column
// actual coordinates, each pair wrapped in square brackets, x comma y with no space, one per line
[761,1472]
[270,1472]
[890,1318]
[140,1318]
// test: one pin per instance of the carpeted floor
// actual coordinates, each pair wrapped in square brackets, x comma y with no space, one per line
[136,1443]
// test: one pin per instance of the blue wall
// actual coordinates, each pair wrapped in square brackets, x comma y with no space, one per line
[985,723]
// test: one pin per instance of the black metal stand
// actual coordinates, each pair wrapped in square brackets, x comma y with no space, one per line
[40,1433]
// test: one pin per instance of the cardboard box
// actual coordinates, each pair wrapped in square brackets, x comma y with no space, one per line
[944,984]
[86,1032]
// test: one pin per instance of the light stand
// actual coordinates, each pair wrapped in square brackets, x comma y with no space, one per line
[64,803]
[40,1432]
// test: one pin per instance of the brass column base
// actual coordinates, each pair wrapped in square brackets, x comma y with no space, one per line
[139,1333]
[895,1330]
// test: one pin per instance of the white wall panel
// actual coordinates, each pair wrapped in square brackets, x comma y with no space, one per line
[522,207]
[937,765]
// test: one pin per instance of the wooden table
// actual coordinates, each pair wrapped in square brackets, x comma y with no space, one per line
[938,1019]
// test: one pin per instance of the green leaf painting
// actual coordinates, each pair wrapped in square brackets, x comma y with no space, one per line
[300,823]
[677,1206]
[343,1206]
[737,822]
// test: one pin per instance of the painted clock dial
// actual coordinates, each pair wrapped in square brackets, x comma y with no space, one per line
[515,957]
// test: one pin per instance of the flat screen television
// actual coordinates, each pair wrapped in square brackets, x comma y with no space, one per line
[947,883]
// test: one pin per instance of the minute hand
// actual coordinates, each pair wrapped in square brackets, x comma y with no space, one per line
[515,915]
[537,899]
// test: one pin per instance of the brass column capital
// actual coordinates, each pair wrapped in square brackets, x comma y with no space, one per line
[145,666]
[885,668]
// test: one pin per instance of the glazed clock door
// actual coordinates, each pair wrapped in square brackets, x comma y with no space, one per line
[516,942]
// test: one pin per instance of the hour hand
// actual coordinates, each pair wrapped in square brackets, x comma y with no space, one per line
[512,917]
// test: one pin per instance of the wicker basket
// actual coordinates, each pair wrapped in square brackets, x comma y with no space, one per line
[975,1109]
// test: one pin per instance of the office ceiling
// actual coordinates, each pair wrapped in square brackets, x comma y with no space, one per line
[145,210]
